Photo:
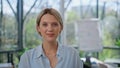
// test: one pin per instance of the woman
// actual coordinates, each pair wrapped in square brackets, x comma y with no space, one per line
[50,54]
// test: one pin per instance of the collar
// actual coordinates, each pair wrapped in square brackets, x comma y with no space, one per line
[39,51]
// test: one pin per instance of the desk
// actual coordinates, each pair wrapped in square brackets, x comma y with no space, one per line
[6,65]
[113,61]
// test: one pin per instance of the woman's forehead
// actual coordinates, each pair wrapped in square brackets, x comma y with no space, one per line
[48,17]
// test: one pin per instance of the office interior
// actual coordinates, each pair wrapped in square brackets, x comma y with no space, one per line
[92,27]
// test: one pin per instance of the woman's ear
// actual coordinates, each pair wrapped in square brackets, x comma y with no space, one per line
[61,29]
[38,29]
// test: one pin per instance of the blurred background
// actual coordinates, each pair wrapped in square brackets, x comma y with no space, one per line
[18,26]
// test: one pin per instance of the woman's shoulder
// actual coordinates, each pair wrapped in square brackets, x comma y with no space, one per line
[32,52]
[69,52]
[69,49]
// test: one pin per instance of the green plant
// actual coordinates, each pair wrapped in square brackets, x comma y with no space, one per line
[117,42]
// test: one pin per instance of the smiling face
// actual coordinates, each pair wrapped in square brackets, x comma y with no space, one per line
[49,27]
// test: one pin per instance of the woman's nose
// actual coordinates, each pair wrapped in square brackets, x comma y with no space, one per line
[50,28]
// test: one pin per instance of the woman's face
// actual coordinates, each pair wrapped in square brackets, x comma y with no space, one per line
[49,27]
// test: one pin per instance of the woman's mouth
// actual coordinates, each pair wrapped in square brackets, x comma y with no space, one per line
[50,35]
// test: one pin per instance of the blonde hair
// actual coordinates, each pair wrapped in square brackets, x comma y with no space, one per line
[51,11]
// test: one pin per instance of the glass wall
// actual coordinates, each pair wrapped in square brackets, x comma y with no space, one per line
[12,19]
[8,26]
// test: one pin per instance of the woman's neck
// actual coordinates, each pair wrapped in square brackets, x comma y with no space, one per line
[50,47]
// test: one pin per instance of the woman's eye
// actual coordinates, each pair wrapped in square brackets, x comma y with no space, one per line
[55,24]
[44,24]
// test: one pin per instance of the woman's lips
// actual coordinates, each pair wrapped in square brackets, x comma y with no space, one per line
[50,35]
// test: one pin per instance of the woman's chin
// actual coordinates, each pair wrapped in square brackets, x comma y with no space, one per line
[51,39]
